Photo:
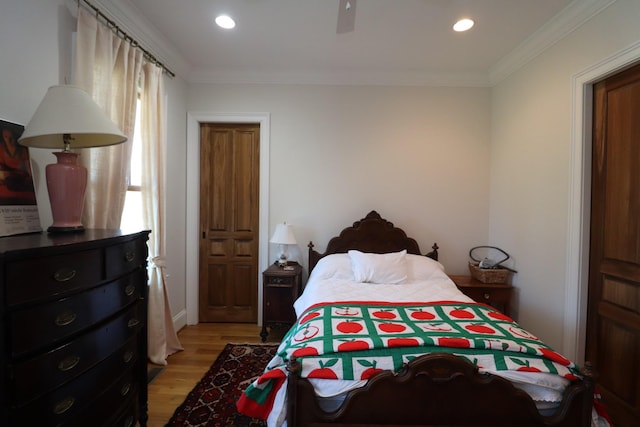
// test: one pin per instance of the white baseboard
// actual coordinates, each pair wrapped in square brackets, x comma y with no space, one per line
[180,320]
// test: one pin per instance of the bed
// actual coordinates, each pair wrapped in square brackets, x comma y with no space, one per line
[384,337]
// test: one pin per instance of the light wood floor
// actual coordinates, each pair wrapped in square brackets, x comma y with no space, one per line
[202,344]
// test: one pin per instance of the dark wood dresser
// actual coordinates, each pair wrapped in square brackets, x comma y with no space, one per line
[73,334]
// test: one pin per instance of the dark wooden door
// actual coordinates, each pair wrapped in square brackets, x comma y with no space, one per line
[229,190]
[613,326]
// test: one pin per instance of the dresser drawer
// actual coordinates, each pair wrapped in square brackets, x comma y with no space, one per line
[80,402]
[488,295]
[99,414]
[38,376]
[69,400]
[125,257]
[127,417]
[278,281]
[38,326]
[41,278]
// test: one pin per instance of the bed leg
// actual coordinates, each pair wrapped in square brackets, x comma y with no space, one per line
[590,382]
[293,368]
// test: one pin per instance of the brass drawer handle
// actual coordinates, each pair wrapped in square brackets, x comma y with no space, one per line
[64,274]
[66,318]
[486,295]
[68,363]
[129,290]
[125,389]
[64,405]
[129,256]
[126,358]
[133,323]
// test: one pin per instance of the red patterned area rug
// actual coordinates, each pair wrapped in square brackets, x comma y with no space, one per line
[212,402]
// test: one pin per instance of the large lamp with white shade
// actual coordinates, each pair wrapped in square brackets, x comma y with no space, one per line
[68,118]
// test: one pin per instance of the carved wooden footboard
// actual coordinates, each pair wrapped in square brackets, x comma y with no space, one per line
[437,390]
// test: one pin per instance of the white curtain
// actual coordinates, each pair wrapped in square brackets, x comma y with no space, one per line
[108,68]
[163,339]
[111,69]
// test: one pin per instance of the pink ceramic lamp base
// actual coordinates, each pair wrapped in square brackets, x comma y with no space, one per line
[66,183]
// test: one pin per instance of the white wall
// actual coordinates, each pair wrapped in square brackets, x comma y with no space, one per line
[419,156]
[532,167]
[35,43]
[176,189]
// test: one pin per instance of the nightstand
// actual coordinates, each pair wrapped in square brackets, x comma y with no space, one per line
[497,295]
[281,287]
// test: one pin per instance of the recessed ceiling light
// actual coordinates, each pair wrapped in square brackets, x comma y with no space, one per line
[463,25]
[225,21]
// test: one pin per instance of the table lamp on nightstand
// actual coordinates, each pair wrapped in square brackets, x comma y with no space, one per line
[283,236]
[68,118]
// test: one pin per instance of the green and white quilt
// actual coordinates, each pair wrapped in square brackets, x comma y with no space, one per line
[355,340]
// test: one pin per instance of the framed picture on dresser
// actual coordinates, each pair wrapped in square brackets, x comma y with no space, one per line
[18,207]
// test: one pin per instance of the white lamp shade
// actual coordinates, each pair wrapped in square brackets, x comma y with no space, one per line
[283,235]
[69,110]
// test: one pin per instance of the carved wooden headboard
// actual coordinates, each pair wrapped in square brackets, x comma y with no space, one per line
[372,234]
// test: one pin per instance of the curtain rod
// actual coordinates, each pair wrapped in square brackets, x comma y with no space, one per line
[123,35]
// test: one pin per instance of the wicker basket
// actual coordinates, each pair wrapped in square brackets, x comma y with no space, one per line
[488,275]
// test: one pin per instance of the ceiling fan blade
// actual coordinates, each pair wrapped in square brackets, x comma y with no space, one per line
[346,16]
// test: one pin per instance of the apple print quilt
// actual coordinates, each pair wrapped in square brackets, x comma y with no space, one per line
[356,340]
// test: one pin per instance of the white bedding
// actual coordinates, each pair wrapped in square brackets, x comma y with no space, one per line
[332,280]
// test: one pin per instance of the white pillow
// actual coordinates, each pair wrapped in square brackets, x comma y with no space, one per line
[420,267]
[389,268]
[334,266]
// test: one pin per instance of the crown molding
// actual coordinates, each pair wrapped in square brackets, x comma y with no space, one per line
[132,20]
[319,77]
[568,20]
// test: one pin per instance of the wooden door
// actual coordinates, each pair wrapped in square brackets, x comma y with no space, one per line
[613,325]
[229,189]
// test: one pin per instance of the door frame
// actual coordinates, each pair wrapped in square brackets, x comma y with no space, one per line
[579,217]
[194,119]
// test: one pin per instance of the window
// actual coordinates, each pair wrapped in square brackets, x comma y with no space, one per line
[132,213]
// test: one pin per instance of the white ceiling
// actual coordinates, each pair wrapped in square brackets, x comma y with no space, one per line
[394,41]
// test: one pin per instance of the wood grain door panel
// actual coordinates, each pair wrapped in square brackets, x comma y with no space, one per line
[613,328]
[229,185]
